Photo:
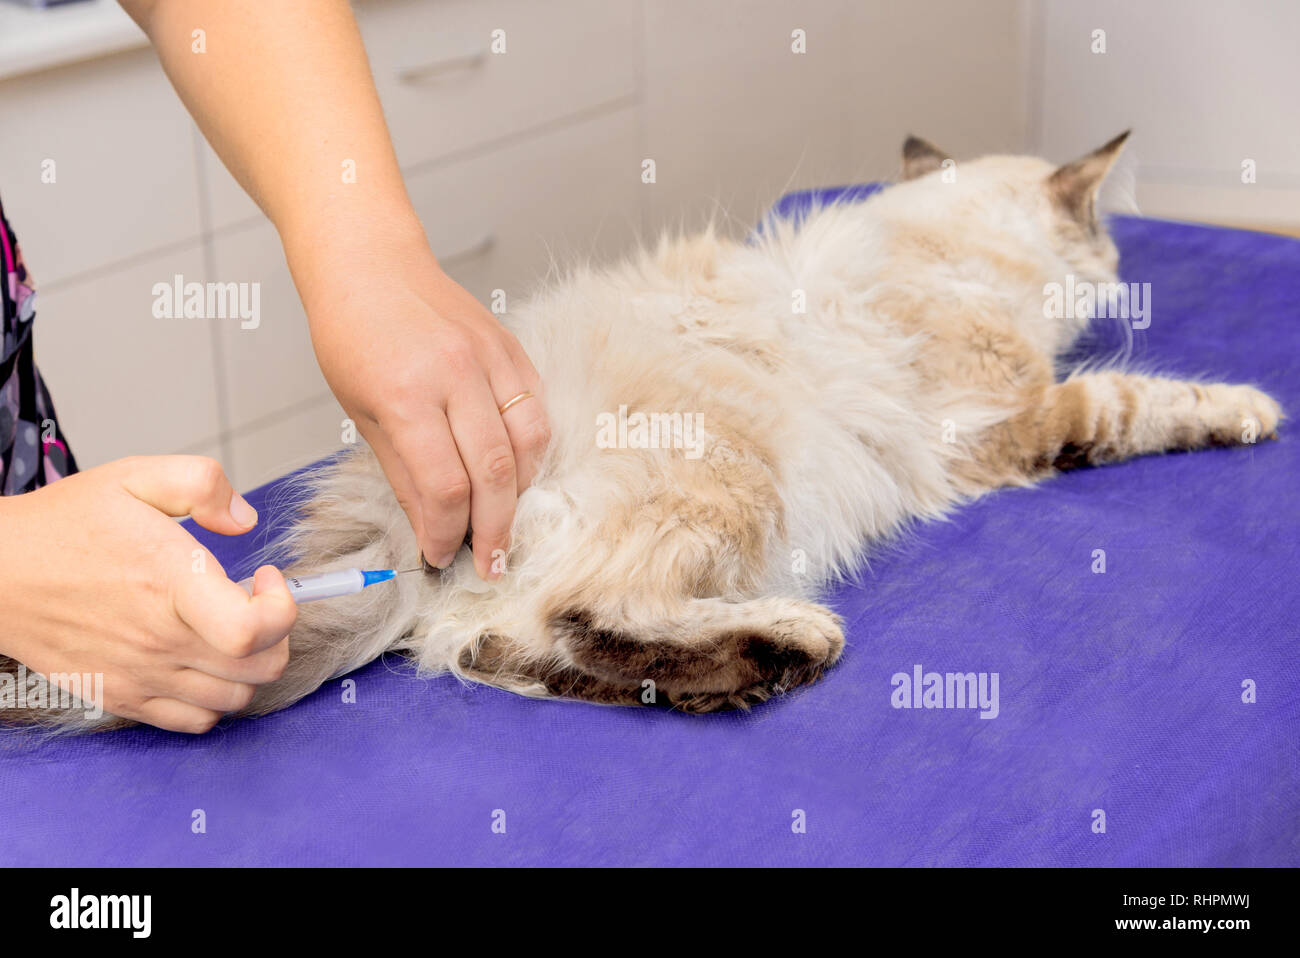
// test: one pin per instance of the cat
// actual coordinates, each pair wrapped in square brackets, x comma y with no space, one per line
[922,372]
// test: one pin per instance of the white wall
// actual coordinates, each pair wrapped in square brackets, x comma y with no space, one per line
[1205,85]
[734,119]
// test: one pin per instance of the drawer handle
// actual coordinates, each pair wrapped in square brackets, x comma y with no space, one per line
[473,251]
[439,69]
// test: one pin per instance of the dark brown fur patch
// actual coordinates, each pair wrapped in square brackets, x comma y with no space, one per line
[724,671]
[493,660]
[1072,456]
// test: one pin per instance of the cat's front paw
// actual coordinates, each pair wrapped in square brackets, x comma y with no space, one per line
[1240,415]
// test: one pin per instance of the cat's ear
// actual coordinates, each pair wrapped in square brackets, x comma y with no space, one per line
[1074,187]
[921,157]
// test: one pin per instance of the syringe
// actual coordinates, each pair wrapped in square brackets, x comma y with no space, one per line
[326,585]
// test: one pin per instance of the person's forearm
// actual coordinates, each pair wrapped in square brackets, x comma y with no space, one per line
[283,93]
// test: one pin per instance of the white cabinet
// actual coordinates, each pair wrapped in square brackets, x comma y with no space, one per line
[297,437]
[96,165]
[498,221]
[454,75]
[124,381]
[268,367]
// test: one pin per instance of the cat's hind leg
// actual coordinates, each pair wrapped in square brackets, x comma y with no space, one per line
[663,601]
[711,655]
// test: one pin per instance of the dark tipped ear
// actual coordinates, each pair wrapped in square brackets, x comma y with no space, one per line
[920,157]
[1074,187]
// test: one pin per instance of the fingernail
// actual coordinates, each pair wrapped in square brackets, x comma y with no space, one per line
[241,511]
[446,560]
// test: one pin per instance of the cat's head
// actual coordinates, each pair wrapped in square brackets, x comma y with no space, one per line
[1056,205]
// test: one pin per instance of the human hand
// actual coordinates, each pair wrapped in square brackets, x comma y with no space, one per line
[99,579]
[423,369]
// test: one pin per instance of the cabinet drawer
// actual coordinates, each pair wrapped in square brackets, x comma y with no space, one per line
[269,366]
[445,90]
[122,149]
[291,441]
[124,381]
[499,220]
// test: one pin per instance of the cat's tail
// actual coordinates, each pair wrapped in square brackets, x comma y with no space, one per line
[30,701]
[344,515]
[333,638]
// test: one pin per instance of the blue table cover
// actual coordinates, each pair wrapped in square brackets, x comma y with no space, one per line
[1121,693]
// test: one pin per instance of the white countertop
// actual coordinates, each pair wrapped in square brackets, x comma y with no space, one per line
[34,38]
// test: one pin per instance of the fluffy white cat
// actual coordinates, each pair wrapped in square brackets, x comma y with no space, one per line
[735,423]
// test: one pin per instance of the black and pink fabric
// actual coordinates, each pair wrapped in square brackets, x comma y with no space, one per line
[33,449]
